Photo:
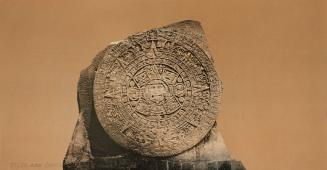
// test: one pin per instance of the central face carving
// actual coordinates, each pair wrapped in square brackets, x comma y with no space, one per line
[156,91]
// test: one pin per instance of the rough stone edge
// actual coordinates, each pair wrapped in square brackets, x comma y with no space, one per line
[79,154]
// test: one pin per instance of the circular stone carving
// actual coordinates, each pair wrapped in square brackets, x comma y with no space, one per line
[156,93]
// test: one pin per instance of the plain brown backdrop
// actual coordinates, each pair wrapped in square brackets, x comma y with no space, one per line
[270,54]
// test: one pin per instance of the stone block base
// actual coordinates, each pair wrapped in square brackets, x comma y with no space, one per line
[120,163]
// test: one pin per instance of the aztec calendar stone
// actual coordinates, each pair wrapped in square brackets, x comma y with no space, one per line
[156,93]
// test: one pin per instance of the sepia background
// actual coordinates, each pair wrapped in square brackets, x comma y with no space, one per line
[270,54]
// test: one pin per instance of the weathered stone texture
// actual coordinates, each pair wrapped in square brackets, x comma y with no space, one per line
[150,102]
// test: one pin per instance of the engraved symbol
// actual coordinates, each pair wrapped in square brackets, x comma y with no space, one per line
[133,94]
[122,62]
[179,89]
[112,94]
[169,76]
[156,91]
[113,91]
[141,78]
[153,51]
[202,104]
[200,88]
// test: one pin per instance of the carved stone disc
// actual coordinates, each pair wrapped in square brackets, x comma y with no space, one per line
[156,93]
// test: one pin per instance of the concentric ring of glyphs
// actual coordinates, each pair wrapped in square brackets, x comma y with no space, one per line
[156,93]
